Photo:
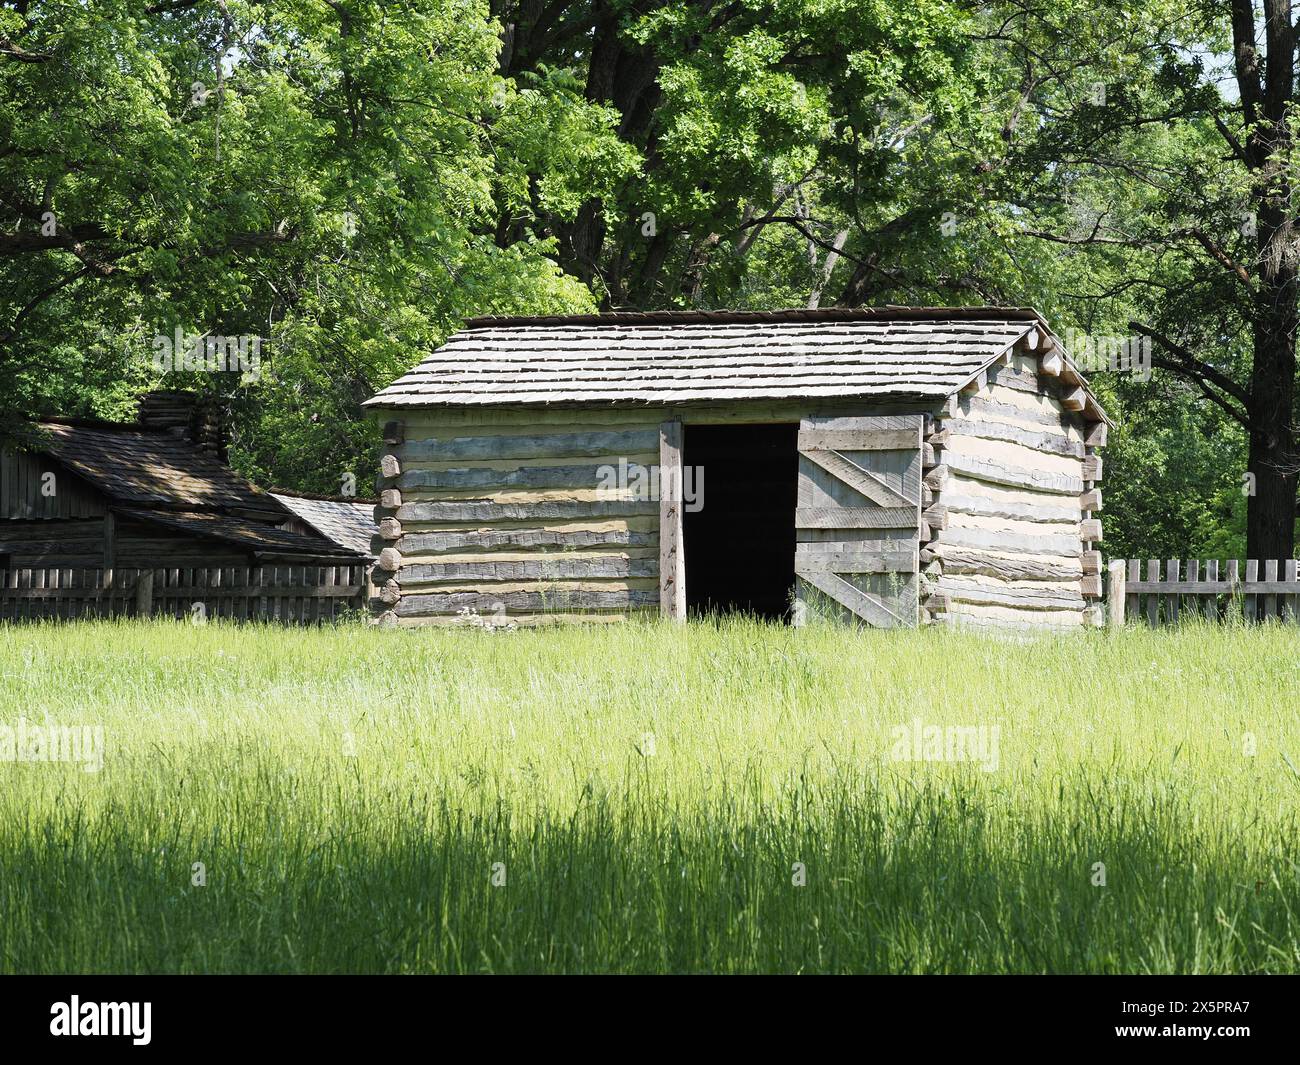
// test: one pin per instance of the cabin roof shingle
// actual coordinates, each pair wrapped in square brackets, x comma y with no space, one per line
[348,523]
[134,465]
[689,356]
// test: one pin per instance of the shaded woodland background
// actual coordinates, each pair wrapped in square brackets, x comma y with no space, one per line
[349,180]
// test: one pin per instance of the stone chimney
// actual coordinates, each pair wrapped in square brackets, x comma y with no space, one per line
[187,416]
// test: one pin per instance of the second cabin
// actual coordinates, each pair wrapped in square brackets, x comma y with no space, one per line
[887,467]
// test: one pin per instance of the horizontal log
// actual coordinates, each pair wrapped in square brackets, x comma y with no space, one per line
[965,561]
[999,540]
[936,516]
[524,477]
[1051,364]
[542,569]
[1091,561]
[1090,585]
[560,510]
[522,539]
[994,507]
[1095,434]
[390,559]
[858,439]
[1092,468]
[390,498]
[856,517]
[984,407]
[1018,381]
[856,561]
[1051,443]
[390,529]
[1023,597]
[1090,530]
[393,433]
[1090,500]
[389,466]
[1013,476]
[550,445]
[435,603]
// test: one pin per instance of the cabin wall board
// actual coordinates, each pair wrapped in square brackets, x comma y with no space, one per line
[79,543]
[23,481]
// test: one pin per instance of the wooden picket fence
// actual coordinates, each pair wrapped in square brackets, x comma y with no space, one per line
[300,595]
[1255,591]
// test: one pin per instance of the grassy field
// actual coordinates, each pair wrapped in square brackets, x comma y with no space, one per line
[649,798]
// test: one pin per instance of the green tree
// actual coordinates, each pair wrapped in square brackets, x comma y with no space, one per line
[321,176]
[1161,147]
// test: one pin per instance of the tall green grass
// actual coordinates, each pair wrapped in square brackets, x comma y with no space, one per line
[647,791]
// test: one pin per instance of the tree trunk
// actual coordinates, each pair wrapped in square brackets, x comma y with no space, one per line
[1270,512]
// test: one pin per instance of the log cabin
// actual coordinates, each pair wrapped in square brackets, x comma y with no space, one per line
[886,467]
[154,492]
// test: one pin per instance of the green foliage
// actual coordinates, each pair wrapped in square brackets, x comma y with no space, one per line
[321,177]
[349,181]
[1173,486]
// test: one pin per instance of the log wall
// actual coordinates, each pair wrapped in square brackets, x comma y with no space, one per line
[1013,491]
[501,514]
[497,511]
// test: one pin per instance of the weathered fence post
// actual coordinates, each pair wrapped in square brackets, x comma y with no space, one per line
[1116,590]
[144,594]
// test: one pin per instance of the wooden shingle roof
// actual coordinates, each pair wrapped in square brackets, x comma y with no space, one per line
[130,464]
[679,357]
[351,524]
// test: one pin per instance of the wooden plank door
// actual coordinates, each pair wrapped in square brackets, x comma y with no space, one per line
[857,526]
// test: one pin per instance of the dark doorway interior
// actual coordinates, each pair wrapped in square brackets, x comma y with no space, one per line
[740,546]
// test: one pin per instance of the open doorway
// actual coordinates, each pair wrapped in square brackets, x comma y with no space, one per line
[739,546]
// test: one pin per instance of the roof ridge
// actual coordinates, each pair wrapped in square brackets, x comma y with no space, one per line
[889,312]
[98,423]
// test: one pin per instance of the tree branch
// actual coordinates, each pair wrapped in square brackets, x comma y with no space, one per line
[14,51]
[1201,373]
